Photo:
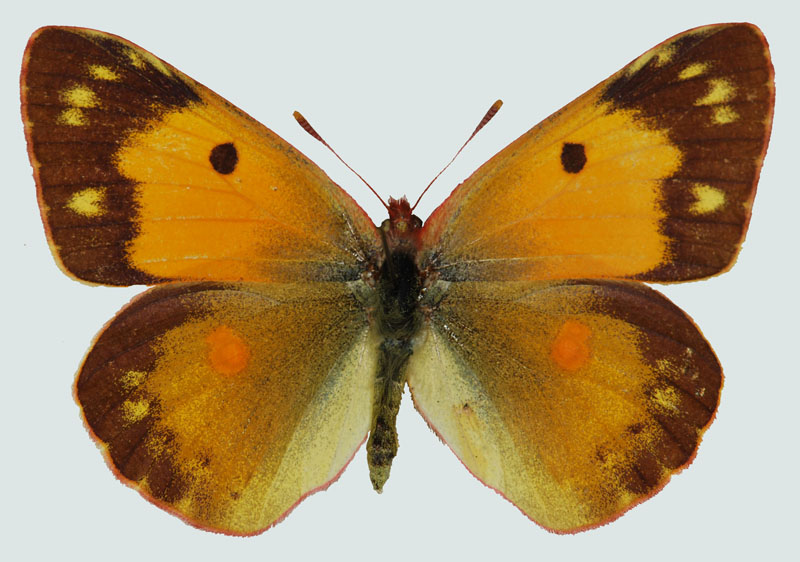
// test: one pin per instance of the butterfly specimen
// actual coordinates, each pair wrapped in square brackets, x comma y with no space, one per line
[284,325]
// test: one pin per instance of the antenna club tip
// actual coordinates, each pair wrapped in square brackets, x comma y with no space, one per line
[497,105]
[299,117]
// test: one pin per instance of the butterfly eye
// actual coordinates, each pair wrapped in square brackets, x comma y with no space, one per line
[416,222]
[224,158]
[573,157]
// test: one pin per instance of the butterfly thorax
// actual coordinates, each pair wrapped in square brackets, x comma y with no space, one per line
[399,277]
[398,319]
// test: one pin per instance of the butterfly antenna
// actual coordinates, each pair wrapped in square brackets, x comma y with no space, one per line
[311,131]
[486,118]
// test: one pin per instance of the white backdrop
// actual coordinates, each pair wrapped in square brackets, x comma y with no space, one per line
[396,91]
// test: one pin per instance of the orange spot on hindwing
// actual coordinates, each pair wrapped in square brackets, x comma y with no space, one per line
[570,349]
[228,353]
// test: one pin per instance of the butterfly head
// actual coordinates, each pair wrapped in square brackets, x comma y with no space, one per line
[402,228]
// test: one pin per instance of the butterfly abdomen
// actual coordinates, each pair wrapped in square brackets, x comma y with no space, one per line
[398,318]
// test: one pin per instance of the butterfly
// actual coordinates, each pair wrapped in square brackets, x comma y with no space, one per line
[284,325]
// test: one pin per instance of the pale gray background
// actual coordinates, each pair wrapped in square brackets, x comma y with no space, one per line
[396,90]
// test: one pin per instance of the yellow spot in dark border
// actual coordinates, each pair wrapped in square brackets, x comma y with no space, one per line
[570,350]
[73,117]
[100,72]
[87,202]
[132,379]
[134,410]
[135,59]
[140,59]
[228,354]
[720,90]
[665,54]
[79,96]
[707,199]
[694,69]
[724,114]
[666,398]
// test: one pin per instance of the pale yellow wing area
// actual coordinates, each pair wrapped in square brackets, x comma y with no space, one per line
[145,175]
[650,175]
[575,400]
[227,404]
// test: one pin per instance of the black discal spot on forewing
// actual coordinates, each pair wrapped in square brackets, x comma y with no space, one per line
[224,158]
[573,157]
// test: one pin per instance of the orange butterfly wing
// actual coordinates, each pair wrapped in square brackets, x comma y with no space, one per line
[223,402]
[574,399]
[650,175]
[146,176]
[578,399]
[227,404]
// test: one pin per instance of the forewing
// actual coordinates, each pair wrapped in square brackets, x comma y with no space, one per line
[144,175]
[650,175]
[575,400]
[227,403]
